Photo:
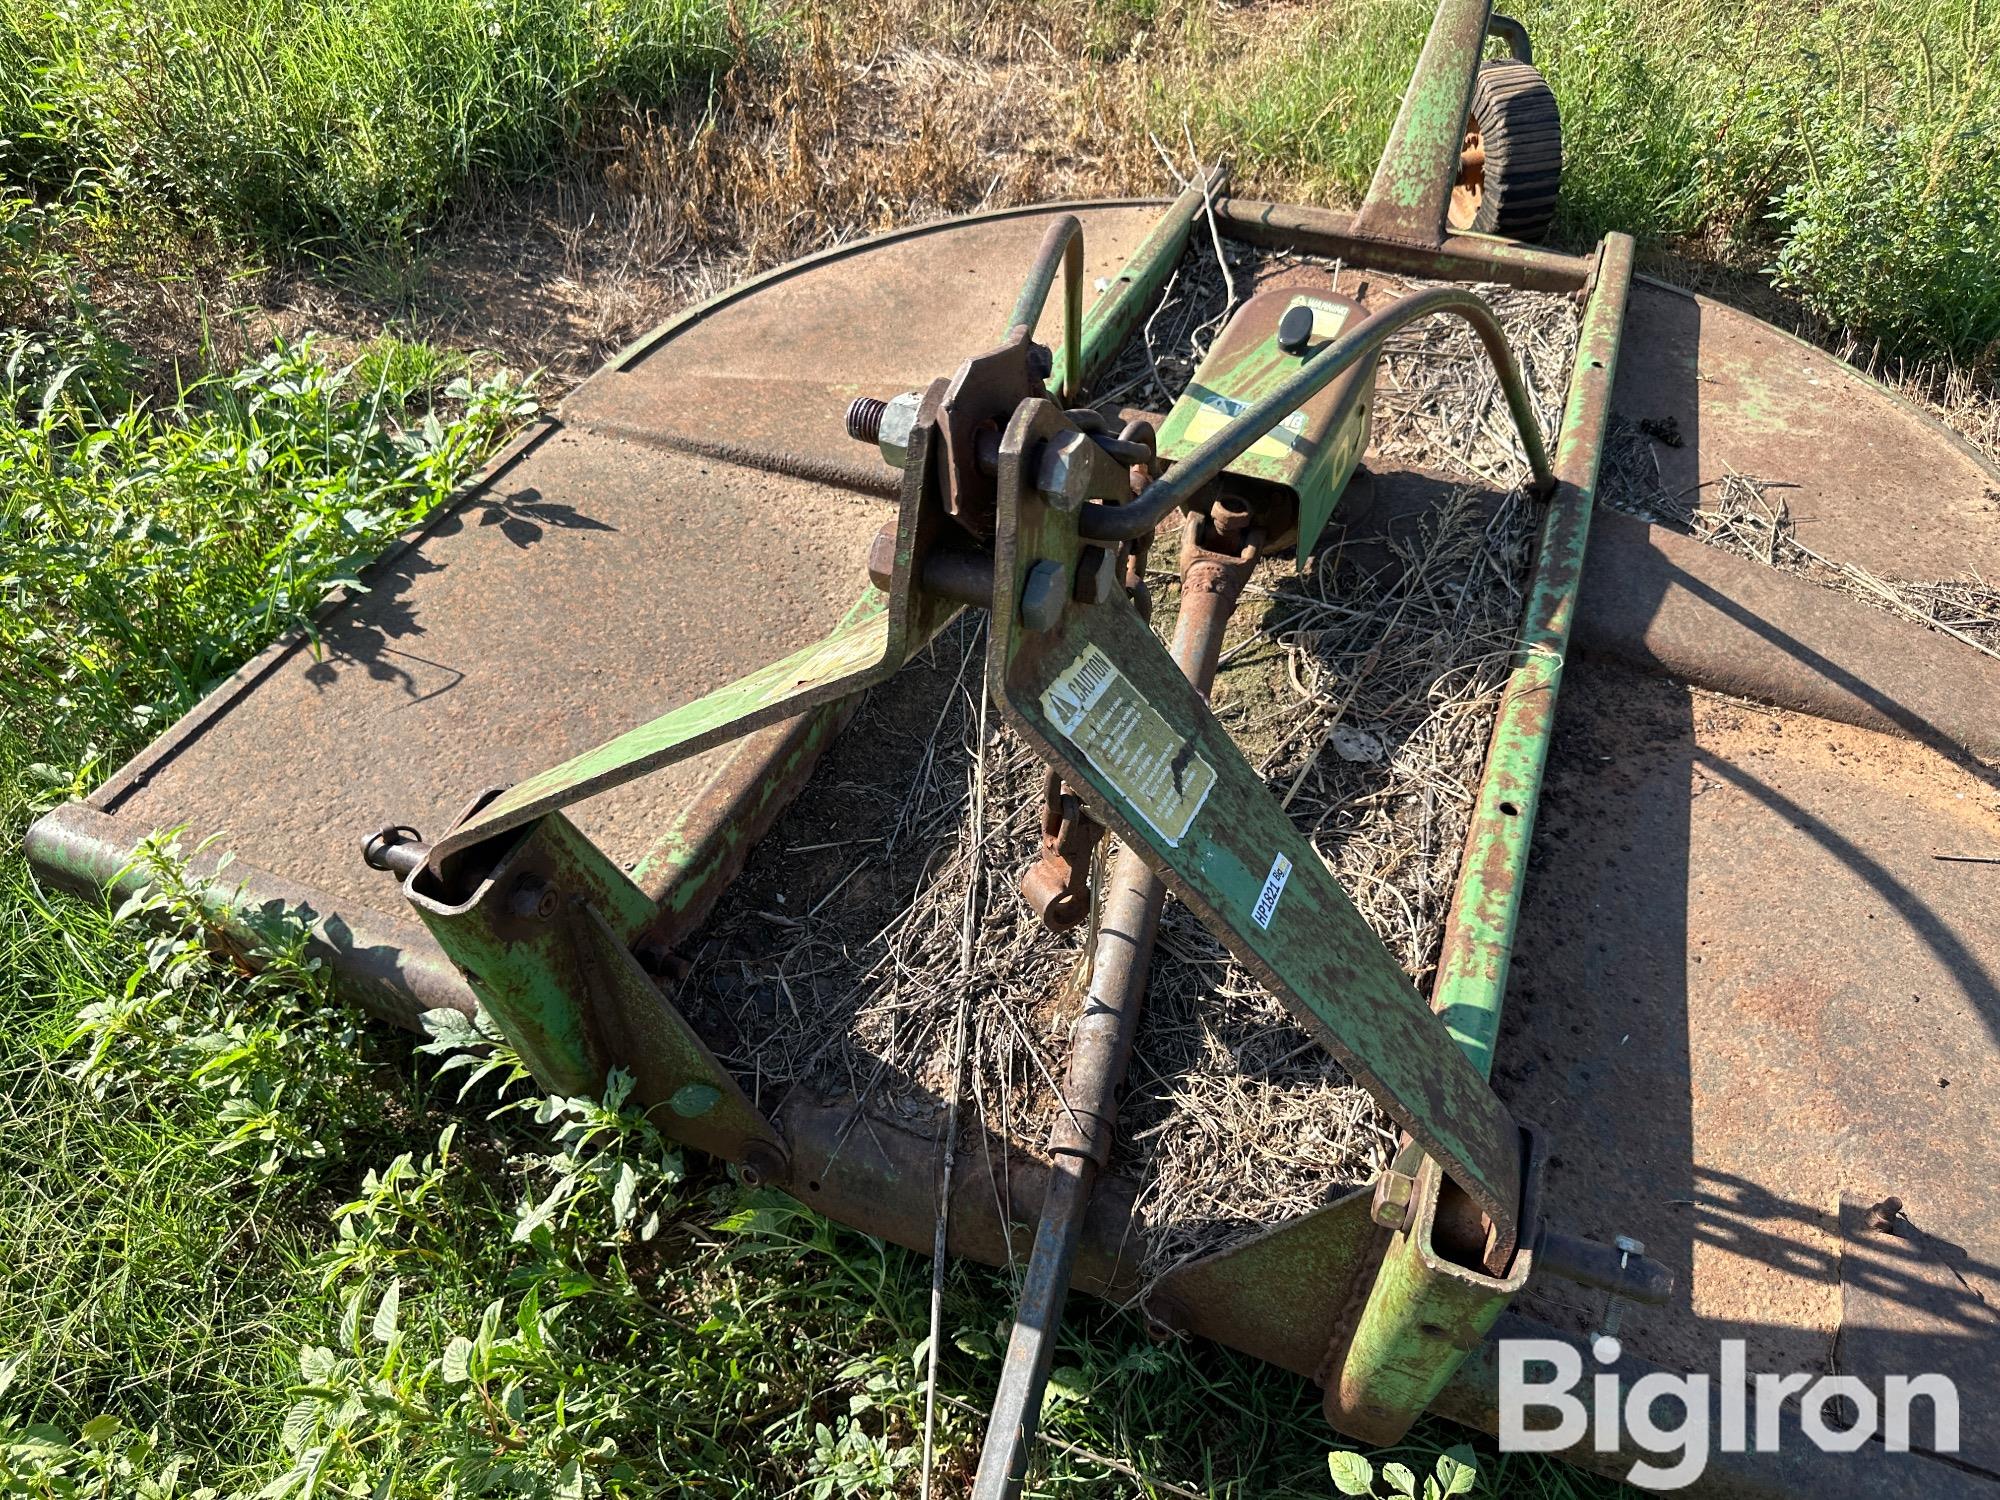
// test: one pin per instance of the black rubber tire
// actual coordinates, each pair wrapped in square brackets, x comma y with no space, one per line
[1514,112]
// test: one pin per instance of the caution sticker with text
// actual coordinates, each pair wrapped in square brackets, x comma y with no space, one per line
[1129,744]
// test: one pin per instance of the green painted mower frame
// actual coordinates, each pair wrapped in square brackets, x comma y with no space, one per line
[553,937]
[1376,1296]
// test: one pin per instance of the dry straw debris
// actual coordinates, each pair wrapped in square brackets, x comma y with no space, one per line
[1364,689]
[1747,515]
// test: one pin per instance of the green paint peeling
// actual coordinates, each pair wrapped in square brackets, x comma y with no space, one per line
[1313,451]
[1471,985]
[1412,185]
[1116,311]
[1424,1312]
[569,995]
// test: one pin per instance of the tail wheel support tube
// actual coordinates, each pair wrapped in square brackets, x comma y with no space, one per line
[1411,188]
[1426,1309]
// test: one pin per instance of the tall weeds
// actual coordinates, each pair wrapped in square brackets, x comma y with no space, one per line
[1846,148]
[360,119]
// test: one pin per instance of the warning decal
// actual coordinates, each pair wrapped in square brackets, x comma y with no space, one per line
[1129,744]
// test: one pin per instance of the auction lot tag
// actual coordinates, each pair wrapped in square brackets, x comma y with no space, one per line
[1274,887]
[1129,743]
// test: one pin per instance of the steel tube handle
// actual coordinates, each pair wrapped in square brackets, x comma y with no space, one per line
[1062,247]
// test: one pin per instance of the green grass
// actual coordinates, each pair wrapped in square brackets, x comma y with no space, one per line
[1846,148]
[143,553]
[360,119]
[1843,148]
[148,554]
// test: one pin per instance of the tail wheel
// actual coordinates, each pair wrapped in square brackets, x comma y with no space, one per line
[1510,167]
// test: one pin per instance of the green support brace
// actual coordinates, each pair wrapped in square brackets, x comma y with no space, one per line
[541,940]
[1471,983]
[1100,699]
[878,635]
[1427,1310]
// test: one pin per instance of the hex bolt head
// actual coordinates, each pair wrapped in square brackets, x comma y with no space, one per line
[532,898]
[898,422]
[1391,1208]
[1295,329]
[887,424]
[763,1165]
[1064,474]
[882,557]
[1042,595]
[1096,576]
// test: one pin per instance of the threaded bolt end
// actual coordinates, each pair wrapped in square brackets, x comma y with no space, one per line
[864,418]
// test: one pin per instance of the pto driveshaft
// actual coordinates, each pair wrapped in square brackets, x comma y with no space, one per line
[1101,1047]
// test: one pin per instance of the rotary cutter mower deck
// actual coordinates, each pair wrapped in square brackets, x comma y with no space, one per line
[1749,1003]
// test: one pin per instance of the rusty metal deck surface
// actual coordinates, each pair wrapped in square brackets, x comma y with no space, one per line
[1743,987]
[1868,478]
[530,624]
[604,575]
[766,379]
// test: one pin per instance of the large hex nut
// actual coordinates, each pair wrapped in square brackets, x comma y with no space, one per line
[1068,465]
[899,420]
[1096,575]
[1043,595]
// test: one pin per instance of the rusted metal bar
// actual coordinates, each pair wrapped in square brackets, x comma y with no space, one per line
[1407,199]
[1631,1276]
[1061,250]
[705,846]
[1515,35]
[1101,1049]
[385,964]
[1118,311]
[1410,1334]
[1119,523]
[1458,257]
[1471,984]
